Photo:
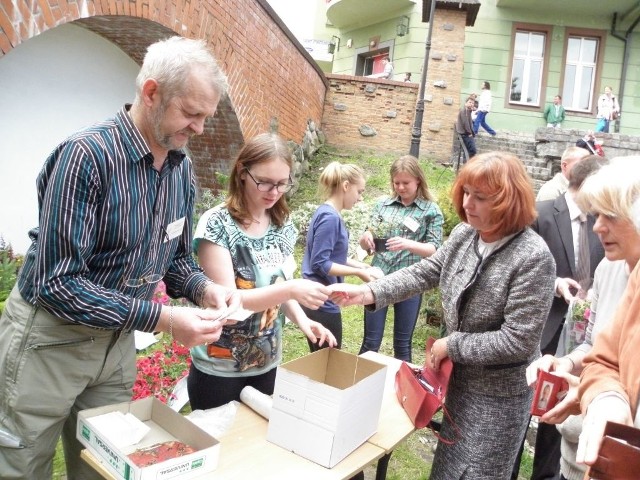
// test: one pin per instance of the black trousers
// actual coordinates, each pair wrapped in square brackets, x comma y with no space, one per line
[546,461]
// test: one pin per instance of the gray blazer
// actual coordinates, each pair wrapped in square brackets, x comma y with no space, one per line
[494,310]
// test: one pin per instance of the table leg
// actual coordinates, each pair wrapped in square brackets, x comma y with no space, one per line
[358,476]
[383,463]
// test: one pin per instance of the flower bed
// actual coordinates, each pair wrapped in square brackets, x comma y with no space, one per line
[161,365]
[160,370]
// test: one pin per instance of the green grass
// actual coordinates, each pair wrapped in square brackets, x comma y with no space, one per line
[376,168]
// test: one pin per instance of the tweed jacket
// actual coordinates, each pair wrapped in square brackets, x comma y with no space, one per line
[494,309]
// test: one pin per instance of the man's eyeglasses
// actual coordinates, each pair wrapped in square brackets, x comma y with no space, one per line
[268,186]
[138,282]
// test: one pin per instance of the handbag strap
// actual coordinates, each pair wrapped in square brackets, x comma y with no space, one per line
[457,435]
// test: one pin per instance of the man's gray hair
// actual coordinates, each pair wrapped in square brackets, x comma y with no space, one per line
[171,61]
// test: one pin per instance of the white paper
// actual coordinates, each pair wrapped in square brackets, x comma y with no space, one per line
[144,339]
[180,395]
[121,429]
[215,421]
[240,314]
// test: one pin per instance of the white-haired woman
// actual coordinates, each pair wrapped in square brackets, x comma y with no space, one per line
[609,194]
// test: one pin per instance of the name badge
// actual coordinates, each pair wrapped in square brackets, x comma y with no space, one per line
[411,224]
[174,229]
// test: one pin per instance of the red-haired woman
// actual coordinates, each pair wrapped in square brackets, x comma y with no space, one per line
[496,277]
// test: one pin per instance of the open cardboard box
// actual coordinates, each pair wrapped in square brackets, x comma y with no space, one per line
[326,404]
[165,425]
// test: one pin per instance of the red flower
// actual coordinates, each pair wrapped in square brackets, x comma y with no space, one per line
[160,370]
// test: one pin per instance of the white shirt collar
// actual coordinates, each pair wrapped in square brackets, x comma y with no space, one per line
[574,210]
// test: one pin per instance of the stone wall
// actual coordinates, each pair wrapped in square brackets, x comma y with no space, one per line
[541,151]
[378,115]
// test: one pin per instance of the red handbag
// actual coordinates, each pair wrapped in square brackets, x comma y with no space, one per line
[421,391]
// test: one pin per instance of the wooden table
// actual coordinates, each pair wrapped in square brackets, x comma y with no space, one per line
[246,453]
[394,425]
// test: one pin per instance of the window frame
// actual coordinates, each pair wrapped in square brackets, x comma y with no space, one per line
[546,30]
[601,36]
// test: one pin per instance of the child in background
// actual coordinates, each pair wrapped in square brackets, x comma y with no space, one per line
[326,252]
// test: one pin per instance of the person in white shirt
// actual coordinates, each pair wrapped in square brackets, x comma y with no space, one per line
[484,107]
[555,187]
[608,109]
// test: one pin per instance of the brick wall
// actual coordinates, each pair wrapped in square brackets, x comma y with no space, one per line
[273,80]
[355,107]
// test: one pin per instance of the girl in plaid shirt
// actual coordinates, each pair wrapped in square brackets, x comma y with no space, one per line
[417,233]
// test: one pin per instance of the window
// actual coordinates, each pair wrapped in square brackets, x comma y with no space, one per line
[368,62]
[527,67]
[581,63]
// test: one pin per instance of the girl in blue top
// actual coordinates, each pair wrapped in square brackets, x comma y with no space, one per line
[325,255]
[247,244]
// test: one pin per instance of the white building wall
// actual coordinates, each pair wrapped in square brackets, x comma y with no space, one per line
[51,86]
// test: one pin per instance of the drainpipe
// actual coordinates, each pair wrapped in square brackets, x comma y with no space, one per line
[625,59]
[416,131]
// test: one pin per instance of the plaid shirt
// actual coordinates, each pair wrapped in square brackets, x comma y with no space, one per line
[394,212]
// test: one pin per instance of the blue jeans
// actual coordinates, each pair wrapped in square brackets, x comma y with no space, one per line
[480,122]
[470,143]
[405,317]
[602,125]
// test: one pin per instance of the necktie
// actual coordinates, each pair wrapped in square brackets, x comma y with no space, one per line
[583,266]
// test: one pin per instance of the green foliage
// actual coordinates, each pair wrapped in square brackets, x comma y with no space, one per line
[9,265]
[451,218]
[208,199]
[381,228]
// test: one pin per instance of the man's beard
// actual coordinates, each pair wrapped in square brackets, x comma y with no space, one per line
[162,139]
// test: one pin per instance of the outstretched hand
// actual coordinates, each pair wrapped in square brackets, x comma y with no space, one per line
[566,287]
[194,326]
[224,299]
[317,333]
[547,363]
[308,293]
[345,294]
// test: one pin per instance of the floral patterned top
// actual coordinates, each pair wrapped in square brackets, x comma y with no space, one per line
[254,345]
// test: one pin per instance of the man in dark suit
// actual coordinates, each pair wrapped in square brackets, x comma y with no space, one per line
[558,223]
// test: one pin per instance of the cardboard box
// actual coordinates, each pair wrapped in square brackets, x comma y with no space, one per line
[326,404]
[165,425]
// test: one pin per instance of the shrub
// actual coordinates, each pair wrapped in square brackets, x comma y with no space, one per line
[443,199]
[356,221]
[9,265]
